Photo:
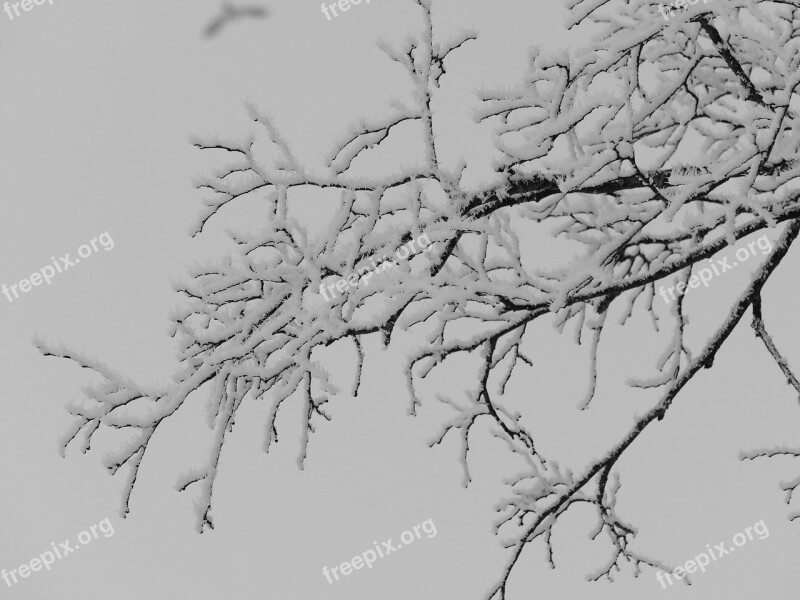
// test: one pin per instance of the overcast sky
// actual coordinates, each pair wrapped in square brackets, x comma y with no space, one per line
[99,100]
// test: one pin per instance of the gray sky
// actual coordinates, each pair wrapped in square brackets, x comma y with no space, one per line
[99,101]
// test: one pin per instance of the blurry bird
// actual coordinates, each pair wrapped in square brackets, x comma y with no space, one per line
[230,13]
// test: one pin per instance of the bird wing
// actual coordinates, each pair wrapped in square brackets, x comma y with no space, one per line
[215,26]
